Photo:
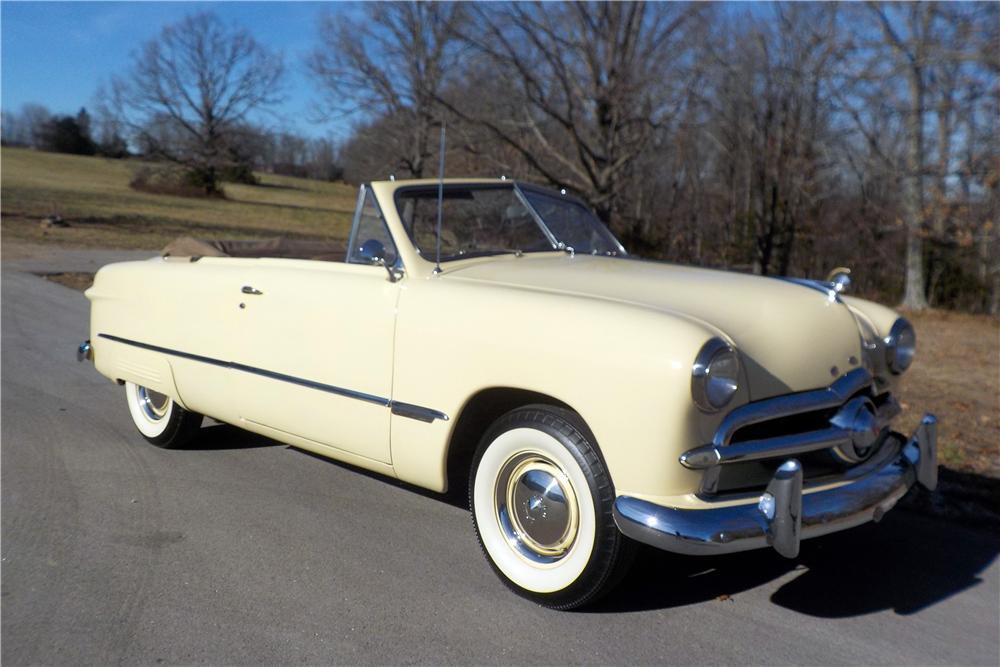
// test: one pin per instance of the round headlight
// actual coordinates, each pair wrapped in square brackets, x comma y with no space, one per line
[900,346]
[715,375]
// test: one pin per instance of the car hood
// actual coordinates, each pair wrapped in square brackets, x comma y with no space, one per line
[790,337]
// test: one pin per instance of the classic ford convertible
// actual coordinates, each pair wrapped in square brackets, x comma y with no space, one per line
[496,332]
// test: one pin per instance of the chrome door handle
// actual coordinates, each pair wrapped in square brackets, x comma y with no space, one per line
[250,290]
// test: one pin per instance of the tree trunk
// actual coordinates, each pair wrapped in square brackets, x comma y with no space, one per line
[914,296]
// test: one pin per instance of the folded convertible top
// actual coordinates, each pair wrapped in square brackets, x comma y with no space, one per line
[187,246]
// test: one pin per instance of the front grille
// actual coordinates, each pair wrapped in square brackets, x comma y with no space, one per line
[830,431]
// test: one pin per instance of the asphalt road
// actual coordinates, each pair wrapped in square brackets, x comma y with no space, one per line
[242,550]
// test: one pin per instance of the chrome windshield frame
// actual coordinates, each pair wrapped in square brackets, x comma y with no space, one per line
[559,245]
[519,190]
[556,244]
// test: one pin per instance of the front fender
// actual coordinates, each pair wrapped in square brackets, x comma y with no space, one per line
[626,369]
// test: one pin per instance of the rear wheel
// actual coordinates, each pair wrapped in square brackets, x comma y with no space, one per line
[158,417]
[541,501]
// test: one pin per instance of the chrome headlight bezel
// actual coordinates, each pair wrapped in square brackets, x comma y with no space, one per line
[900,346]
[711,392]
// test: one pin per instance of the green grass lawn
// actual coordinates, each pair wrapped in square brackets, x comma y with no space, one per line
[92,194]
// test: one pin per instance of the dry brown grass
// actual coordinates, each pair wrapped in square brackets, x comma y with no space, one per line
[956,375]
[76,280]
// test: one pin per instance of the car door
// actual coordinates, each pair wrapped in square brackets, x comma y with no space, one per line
[315,347]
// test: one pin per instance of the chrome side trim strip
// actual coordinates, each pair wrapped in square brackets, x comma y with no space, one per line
[157,348]
[416,412]
[329,388]
[398,408]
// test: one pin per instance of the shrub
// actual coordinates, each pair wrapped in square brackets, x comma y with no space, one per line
[239,172]
[168,180]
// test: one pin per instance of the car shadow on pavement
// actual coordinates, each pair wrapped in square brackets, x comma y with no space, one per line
[216,436]
[905,563]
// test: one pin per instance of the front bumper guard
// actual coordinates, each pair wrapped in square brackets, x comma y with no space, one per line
[783,514]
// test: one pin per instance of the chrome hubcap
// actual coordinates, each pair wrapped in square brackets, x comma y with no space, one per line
[536,507]
[154,404]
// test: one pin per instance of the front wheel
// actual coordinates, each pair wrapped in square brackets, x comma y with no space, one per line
[158,417]
[541,500]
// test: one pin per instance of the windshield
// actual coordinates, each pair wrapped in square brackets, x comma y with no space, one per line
[572,223]
[475,221]
[482,220]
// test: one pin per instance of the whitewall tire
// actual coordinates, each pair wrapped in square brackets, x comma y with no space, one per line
[541,501]
[158,417]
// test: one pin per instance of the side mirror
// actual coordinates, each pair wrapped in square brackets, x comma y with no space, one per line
[374,251]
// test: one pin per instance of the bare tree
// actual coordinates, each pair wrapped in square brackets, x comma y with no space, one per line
[768,98]
[576,89]
[191,87]
[25,127]
[783,141]
[896,63]
[913,65]
[390,64]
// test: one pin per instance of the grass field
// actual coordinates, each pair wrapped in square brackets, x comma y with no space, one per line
[93,196]
[956,373]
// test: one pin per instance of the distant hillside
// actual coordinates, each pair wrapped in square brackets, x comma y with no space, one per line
[93,196]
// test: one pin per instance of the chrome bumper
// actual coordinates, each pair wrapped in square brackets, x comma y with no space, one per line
[783,515]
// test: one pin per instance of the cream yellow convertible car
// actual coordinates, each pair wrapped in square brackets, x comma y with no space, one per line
[496,334]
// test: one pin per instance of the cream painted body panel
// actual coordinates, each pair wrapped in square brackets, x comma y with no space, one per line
[185,312]
[789,337]
[338,320]
[612,338]
[330,323]
[567,347]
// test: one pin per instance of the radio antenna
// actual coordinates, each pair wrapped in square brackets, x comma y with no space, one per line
[437,262]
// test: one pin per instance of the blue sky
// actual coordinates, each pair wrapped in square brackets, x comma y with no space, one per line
[56,53]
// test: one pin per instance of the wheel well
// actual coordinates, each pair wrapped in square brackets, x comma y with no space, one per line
[479,412]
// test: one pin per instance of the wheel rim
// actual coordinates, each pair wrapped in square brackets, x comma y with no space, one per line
[536,508]
[154,405]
